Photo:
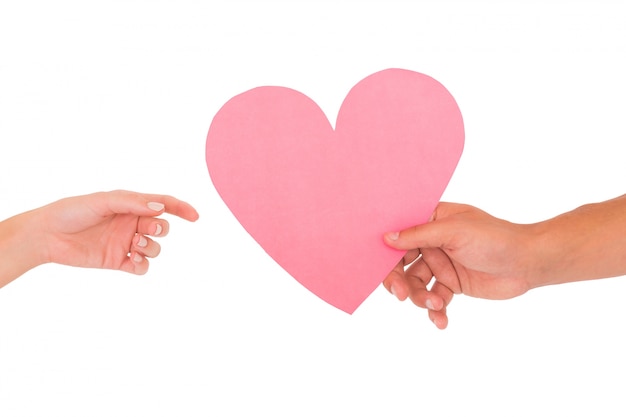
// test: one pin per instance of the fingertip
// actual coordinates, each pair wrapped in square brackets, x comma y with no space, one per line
[439,319]
[194,215]
[135,264]
[182,209]
[141,241]
[140,263]
[398,292]
[391,239]
[392,236]
[434,303]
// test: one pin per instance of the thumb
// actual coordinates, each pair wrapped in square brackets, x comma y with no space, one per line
[434,234]
[428,235]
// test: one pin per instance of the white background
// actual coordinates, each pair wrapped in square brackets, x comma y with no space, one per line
[104,95]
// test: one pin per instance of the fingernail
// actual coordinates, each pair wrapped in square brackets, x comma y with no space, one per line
[137,258]
[158,230]
[156,206]
[143,242]
[393,291]
[393,235]
[429,305]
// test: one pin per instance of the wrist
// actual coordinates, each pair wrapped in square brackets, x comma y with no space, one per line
[543,254]
[21,246]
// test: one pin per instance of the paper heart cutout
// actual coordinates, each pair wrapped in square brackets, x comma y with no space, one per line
[319,200]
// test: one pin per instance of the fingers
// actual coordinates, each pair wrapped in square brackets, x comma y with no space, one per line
[145,246]
[429,239]
[153,226]
[434,300]
[128,202]
[433,263]
[142,247]
[439,316]
[135,264]
[394,282]
[410,256]
[443,268]
[413,283]
[175,206]
[418,276]
[147,207]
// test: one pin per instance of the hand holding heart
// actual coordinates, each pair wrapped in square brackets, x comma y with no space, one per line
[468,251]
[465,250]
[318,199]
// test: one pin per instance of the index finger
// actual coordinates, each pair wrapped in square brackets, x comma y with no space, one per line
[175,206]
[149,205]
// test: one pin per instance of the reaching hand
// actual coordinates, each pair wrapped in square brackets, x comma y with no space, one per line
[109,230]
[102,230]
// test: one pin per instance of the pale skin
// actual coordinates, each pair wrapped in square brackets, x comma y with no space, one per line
[464,250]
[107,230]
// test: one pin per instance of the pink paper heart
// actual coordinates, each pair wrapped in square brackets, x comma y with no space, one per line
[319,200]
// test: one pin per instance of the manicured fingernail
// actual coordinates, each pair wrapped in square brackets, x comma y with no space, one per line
[137,258]
[429,305]
[156,206]
[158,230]
[143,242]
[393,235]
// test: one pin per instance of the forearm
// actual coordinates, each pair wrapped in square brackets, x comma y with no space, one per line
[19,246]
[586,243]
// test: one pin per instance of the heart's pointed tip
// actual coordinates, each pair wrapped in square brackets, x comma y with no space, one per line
[349,309]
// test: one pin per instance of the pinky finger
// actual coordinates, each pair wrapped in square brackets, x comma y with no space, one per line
[135,263]
[439,318]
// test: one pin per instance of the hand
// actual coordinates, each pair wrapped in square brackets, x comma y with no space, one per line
[466,251]
[108,230]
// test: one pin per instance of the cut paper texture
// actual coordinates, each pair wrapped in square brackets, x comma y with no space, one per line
[318,200]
